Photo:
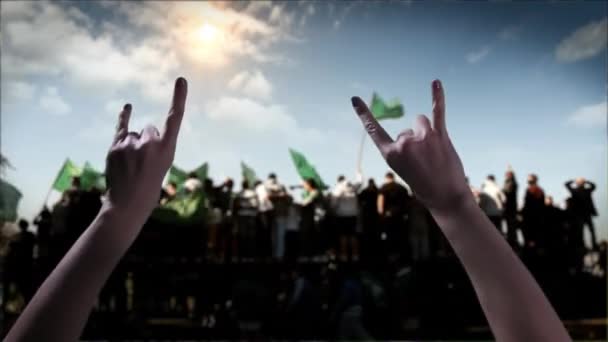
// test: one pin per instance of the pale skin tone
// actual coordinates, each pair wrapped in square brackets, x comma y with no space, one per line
[426,160]
[136,166]
[515,306]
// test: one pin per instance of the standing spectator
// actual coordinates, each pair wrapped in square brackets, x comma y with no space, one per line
[266,220]
[368,199]
[419,230]
[20,260]
[510,207]
[44,224]
[280,199]
[311,199]
[491,201]
[532,211]
[344,205]
[226,236]
[392,202]
[582,204]
[246,211]
[192,183]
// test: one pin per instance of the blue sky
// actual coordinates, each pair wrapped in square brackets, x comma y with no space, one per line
[525,84]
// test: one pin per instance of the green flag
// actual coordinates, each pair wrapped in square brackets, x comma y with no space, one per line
[65,175]
[382,110]
[305,169]
[177,175]
[9,201]
[202,171]
[248,174]
[90,178]
[185,210]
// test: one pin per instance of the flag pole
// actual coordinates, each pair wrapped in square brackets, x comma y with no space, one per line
[360,157]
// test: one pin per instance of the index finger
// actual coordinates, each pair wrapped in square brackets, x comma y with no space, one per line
[176,113]
[371,125]
[438,107]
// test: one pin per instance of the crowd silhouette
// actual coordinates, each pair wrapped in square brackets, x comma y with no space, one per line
[333,263]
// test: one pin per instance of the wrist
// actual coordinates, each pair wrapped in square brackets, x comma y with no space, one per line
[119,215]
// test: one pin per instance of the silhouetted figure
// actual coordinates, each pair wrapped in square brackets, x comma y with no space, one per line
[554,231]
[574,231]
[392,201]
[419,230]
[266,224]
[59,232]
[368,209]
[223,198]
[311,199]
[44,225]
[582,204]
[277,193]
[532,212]
[20,260]
[491,201]
[345,211]
[246,212]
[510,206]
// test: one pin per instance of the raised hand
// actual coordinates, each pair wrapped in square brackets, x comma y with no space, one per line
[137,162]
[424,157]
[136,165]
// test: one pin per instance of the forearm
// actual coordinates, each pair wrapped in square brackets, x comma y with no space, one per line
[514,304]
[60,308]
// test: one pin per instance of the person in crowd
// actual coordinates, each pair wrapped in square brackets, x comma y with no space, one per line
[266,216]
[554,231]
[60,308]
[280,199]
[491,201]
[169,193]
[214,217]
[44,225]
[226,235]
[582,204]
[59,239]
[510,206]
[20,260]
[246,210]
[392,201]
[532,212]
[574,231]
[193,183]
[368,209]
[311,198]
[343,202]
[418,227]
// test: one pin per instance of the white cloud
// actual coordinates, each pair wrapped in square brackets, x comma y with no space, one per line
[510,33]
[585,42]
[52,39]
[252,84]
[590,116]
[248,113]
[53,103]
[476,56]
[17,91]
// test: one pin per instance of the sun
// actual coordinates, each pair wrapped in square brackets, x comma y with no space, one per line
[207,33]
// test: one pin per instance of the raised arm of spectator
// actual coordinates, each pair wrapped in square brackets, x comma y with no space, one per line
[591,185]
[136,165]
[569,185]
[515,306]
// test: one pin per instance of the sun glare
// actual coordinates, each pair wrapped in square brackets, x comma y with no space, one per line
[207,33]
